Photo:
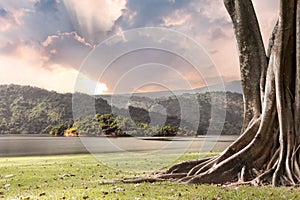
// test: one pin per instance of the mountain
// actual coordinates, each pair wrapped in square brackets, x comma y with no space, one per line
[123,100]
[26,110]
[233,86]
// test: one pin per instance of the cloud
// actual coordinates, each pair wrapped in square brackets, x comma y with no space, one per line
[148,12]
[178,18]
[47,5]
[8,19]
[48,17]
[217,33]
[23,51]
[33,24]
[93,19]
[84,84]
[38,45]
[205,21]
[36,19]
[163,59]
[193,17]
[52,37]
[3,12]
[67,49]
[24,67]
[267,13]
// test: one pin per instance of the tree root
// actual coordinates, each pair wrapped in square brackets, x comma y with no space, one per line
[233,171]
[134,180]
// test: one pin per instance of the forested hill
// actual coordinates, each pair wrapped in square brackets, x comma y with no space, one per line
[25,109]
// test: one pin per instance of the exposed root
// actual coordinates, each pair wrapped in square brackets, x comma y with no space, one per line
[222,173]
[186,166]
[134,180]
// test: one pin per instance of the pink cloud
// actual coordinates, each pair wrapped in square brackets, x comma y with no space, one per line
[67,49]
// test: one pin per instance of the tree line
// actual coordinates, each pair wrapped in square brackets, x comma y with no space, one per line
[31,110]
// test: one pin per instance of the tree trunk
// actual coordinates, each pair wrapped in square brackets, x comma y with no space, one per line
[268,149]
[267,152]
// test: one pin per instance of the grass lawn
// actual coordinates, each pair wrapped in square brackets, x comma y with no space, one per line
[80,177]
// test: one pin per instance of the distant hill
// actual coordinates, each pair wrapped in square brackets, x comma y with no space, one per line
[122,100]
[26,110]
[233,86]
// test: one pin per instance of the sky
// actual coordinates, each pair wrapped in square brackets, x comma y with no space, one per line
[121,46]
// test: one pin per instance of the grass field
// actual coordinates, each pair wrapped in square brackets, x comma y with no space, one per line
[80,177]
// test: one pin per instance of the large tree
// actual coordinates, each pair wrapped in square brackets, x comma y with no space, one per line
[268,151]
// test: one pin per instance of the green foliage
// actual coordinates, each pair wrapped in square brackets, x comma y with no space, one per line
[232,103]
[25,109]
[168,131]
[72,131]
[109,124]
[60,129]
[139,115]
[129,127]
[88,126]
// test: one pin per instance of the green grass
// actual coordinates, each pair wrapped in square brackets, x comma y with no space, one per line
[42,178]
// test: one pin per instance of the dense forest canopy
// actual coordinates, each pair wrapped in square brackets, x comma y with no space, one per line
[31,110]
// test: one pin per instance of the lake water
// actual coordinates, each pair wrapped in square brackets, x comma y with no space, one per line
[127,154]
[41,145]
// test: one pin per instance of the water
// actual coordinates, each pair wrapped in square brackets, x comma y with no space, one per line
[41,145]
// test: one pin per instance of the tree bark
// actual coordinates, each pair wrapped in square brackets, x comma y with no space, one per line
[253,59]
[297,76]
